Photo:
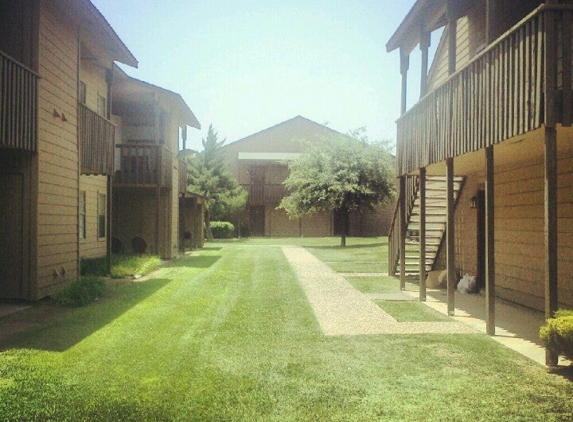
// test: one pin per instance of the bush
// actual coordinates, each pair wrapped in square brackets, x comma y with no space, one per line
[94,266]
[557,333]
[80,292]
[222,229]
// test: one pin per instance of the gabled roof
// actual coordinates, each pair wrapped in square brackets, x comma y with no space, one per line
[98,29]
[128,86]
[283,137]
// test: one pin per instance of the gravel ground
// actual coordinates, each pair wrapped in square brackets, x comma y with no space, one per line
[340,309]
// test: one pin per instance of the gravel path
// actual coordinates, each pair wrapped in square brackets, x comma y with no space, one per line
[340,309]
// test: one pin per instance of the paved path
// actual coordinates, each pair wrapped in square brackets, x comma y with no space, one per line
[340,309]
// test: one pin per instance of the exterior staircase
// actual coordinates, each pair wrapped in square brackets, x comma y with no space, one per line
[436,215]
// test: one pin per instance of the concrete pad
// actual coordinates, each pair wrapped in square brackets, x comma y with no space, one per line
[393,297]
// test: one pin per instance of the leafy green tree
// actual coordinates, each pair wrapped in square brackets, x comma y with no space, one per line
[208,176]
[342,175]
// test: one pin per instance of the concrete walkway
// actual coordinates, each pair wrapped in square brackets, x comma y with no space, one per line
[340,309]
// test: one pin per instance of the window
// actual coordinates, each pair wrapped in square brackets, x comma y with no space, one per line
[82,214]
[101,205]
[101,106]
[83,93]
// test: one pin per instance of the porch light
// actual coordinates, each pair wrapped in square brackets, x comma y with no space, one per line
[473,202]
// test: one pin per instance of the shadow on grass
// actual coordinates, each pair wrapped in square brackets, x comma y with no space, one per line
[194,262]
[49,327]
[349,247]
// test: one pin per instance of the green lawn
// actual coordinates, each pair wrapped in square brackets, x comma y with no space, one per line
[226,334]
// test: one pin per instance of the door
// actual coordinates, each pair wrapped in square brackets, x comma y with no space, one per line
[258,220]
[11,236]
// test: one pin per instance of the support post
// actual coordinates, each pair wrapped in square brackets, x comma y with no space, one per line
[551,292]
[490,14]
[402,199]
[452,42]
[450,235]
[404,66]
[425,39]
[422,192]
[489,242]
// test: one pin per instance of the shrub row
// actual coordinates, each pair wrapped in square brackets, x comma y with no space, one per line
[222,229]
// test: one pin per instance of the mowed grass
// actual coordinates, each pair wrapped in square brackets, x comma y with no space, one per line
[228,335]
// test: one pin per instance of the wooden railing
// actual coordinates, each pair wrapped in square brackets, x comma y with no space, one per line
[260,193]
[18,105]
[144,165]
[96,136]
[410,193]
[498,95]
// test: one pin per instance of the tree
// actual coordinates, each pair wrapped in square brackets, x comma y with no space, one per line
[342,175]
[208,176]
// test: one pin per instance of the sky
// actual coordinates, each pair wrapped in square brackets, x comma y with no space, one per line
[246,65]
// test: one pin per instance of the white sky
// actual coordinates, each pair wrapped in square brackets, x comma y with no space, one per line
[247,65]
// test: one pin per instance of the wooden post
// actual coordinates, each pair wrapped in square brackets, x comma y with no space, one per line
[450,235]
[489,242]
[490,14]
[452,35]
[404,66]
[402,234]
[422,192]
[425,40]
[551,292]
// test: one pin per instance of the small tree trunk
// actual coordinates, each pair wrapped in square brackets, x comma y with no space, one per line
[345,222]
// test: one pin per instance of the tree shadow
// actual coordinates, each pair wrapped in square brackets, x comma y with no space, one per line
[349,247]
[194,262]
[47,326]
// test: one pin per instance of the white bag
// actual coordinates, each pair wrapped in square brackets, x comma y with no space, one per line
[467,284]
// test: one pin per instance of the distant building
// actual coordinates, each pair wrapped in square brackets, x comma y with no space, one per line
[260,163]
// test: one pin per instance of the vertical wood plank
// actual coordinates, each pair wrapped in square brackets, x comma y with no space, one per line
[489,242]
[422,197]
[551,276]
[404,66]
[450,235]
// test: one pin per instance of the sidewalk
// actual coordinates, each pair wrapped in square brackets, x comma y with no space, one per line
[340,309]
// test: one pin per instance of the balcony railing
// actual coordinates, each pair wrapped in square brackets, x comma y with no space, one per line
[498,95]
[144,165]
[18,105]
[96,136]
[260,193]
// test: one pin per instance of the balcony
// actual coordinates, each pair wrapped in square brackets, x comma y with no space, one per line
[500,94]
[144,166]
[260,193]
[96,136]
[18,105]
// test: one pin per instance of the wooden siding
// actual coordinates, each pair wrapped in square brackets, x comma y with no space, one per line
[58,166]
[92,246]
[18,105]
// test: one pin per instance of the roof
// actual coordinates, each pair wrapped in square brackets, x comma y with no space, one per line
[97,28]
[424,16]
[284,137]
[131,84]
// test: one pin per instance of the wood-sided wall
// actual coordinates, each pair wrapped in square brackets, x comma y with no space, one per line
[58,165]
[519,230]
